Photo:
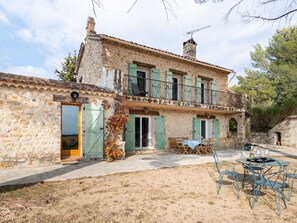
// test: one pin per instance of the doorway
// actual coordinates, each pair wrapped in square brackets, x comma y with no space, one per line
[204,129]
[71,138]
[142,132]
[141,82]
[278,138]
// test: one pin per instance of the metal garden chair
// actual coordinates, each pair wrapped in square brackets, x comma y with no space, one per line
[291,177]
[269,179]
[246,153]
[229,171]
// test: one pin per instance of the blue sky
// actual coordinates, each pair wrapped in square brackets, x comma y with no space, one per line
[35,36]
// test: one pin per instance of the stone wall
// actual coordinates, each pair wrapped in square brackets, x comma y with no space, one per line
[116,56]
[178,123]
[30,124]
[260,138]
[90,67]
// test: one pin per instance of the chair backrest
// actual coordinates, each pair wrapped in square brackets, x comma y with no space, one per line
[179,142]
[272,176]
[245,151]
[216,158]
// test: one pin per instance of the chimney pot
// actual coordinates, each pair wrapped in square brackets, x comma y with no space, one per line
[90,26]
[189,48]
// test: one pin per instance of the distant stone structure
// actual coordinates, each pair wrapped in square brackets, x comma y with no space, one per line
[284,133]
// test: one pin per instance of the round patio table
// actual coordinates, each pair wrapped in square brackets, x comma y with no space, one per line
[262,161]
[263,164]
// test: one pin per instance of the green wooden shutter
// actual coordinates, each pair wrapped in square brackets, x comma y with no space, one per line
[168,79]
[132,77]
[216,131]
[213,92]
[156,85]
[196,129]
[160,132]
[130,134]
[187,88]
[198,90]
[93,131]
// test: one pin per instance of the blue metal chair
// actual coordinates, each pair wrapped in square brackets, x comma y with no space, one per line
[269,178]
[229,171]
[291,176]
[246,153]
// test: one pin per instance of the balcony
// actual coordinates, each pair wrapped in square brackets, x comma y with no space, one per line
[140,89]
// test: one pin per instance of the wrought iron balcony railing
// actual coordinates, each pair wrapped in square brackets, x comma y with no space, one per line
[145,87]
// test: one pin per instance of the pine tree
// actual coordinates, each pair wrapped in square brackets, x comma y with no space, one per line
[68,69]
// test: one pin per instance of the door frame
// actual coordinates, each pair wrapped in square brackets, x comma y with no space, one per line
[68,153]
[149,132]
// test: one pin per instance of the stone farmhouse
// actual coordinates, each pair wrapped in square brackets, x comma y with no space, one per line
[165,95]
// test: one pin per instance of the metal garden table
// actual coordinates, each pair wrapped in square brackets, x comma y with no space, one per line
[263,164]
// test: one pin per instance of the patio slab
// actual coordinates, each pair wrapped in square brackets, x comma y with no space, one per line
[129,164]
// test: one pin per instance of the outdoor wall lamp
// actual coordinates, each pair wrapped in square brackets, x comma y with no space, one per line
[74,95]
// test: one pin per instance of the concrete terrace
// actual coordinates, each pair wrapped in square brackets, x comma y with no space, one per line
[133,163]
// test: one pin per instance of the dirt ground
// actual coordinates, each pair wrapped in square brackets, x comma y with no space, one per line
[181,194]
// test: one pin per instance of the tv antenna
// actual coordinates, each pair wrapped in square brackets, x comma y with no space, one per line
[196,30]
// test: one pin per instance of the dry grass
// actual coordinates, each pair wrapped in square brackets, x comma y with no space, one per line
[182,194]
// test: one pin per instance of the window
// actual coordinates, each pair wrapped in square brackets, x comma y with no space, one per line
[233,125]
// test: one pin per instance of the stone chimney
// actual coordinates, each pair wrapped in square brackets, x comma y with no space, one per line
[90,26]
[190,48]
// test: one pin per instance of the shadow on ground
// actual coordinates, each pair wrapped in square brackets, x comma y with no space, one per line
[40,177]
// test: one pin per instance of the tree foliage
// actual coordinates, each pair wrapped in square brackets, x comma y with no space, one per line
[68,69]
[273,80]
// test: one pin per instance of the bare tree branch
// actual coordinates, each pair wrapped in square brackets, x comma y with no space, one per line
[97,3]
[167,5]
[292,12]
[289,9]
[268,2]
[231,9]
[169,9]
[132,6]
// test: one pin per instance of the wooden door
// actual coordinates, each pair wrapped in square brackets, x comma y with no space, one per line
[94,131]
